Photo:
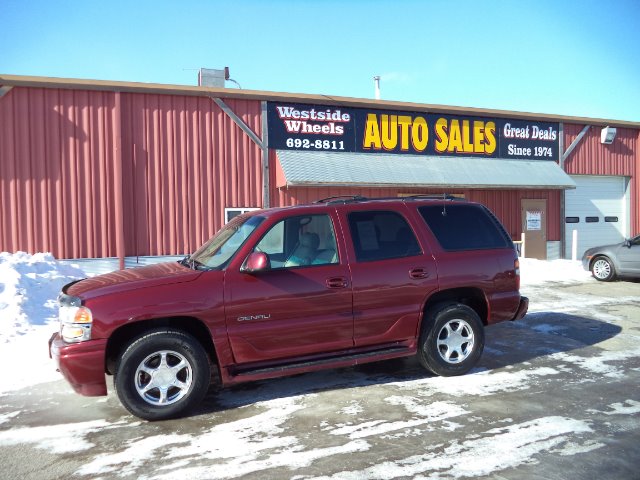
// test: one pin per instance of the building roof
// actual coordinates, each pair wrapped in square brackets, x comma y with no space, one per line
[165,89]
[322,169]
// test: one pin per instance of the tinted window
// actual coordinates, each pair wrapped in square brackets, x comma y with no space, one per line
[573,220]
[465,227]
[610,219]
[379,235]
[592,219]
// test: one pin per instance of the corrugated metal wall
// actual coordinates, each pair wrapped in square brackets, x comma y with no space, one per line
[621,158]
[591,157]
[88,174]
[185,161]
[57,172]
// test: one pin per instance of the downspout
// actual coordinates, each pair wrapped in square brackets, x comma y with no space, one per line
[117,173]
[573,145]
[254,137]
[266,199]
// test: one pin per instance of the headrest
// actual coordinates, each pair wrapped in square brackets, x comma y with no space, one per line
[310,240]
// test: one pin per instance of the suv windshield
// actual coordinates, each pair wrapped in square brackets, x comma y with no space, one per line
[219,249]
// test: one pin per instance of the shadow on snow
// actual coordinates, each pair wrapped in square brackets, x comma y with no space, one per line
[507,344]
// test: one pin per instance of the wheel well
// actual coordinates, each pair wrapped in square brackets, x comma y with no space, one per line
[120,337]
[471,297]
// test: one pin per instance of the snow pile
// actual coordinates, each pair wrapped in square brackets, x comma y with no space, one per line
[29,287]
[536,272]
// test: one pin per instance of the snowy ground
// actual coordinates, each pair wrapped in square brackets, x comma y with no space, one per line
[554,396]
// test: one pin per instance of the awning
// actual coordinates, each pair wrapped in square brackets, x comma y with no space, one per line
[321,169]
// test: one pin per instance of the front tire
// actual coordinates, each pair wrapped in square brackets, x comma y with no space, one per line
[602,269]
[451,341]
[162,374]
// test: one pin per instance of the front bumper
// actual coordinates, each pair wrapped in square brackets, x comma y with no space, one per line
[522,309]
[82,364]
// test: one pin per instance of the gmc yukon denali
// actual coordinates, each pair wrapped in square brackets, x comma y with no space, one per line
[282,291]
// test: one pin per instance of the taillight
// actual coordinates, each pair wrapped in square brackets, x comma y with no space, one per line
[516,268]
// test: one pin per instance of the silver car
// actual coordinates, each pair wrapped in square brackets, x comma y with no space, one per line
[611,261]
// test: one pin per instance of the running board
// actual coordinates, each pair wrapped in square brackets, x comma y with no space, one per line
[352,358]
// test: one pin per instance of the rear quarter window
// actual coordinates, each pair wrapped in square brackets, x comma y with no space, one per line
[465,227]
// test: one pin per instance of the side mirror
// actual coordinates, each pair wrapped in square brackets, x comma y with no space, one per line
[256,262]
[627,243]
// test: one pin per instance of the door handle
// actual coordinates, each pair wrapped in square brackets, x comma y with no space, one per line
[336,282]
[418,273]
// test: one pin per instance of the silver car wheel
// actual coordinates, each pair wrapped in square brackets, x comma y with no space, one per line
[455,341]
[163,378]
[601,269]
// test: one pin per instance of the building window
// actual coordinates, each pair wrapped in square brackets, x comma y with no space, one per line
[592,219]
[610,219]
[230,213]
[572,220]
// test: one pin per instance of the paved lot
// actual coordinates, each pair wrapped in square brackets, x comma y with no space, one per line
[556,396]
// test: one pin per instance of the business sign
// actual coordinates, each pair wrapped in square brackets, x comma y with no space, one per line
[338,129]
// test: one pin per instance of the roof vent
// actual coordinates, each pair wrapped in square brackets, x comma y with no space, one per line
[209,77]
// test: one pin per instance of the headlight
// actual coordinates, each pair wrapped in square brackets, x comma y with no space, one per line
[75,320]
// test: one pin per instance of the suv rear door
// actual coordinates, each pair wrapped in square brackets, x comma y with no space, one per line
[391,270]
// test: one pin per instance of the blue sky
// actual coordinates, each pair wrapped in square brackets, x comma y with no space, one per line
[577,58]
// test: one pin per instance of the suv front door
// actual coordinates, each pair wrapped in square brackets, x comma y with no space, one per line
[299,306]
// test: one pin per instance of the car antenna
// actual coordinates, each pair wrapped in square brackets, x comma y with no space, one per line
[444,205]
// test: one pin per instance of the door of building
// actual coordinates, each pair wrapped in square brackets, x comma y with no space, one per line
[598,210]
[534,226]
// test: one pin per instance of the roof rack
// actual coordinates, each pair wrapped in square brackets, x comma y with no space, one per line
[444,196]
[342,199]
[358,198]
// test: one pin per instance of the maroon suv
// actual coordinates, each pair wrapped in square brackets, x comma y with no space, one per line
[282,291]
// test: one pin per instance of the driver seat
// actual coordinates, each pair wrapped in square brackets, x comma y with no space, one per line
[305,251]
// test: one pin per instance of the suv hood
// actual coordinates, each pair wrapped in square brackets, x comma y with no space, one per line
[132,279]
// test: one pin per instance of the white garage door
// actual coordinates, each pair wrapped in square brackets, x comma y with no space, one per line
[598,210]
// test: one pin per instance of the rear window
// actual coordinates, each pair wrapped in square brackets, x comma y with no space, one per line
[381,235]
[465,227]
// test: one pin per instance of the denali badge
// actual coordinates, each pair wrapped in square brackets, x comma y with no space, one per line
[254,317]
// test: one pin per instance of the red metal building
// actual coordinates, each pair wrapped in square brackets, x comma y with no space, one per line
[94,169]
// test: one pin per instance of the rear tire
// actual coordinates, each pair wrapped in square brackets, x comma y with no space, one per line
[451,341]
[162,374]
[602,269]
